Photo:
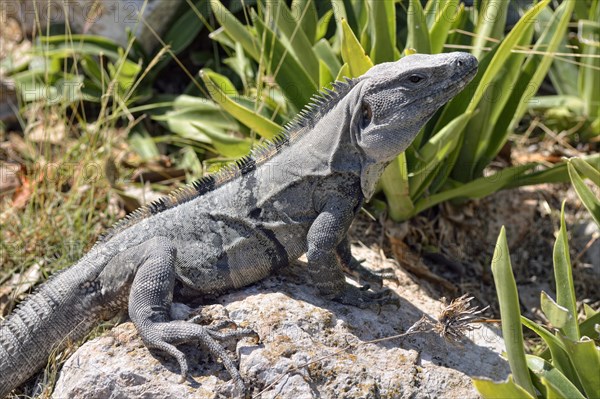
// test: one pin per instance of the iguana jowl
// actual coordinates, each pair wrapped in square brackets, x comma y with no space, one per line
[296,195]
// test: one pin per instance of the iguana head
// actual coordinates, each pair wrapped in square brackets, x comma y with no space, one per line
[397,99]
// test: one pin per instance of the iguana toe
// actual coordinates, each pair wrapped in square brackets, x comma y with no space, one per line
[362,298]
[166,335]
[356,269]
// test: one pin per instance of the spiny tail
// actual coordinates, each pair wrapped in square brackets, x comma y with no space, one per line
[63,310]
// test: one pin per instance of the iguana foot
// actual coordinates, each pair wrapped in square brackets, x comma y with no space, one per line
[362,298]
[356,269]
[165,335]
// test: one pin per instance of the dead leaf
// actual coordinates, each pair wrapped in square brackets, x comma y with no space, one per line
[41,132]
[22,193]
[134,197]
[9,179]
[19,284]
[413,263]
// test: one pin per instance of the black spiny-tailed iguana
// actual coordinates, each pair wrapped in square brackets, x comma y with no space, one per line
[296,195]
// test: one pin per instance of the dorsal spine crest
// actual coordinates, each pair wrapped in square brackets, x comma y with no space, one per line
[320,103]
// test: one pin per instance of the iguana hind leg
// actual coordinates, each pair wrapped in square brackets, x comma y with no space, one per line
[150,299]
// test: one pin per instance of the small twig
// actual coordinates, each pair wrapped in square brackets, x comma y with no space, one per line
[556,137]
[587,246]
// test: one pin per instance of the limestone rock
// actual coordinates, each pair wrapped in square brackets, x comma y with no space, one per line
[299,329]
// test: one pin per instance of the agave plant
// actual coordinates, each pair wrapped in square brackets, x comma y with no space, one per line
[577,100]
[278,56]
[295,56]
[569,366]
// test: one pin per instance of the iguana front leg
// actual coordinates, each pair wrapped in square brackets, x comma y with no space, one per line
[150,300]
[325,235]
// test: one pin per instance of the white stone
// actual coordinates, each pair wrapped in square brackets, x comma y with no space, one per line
[296,326]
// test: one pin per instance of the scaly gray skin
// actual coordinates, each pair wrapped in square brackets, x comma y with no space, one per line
[296,195]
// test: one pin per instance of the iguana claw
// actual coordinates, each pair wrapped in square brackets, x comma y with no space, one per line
[356,269]
[166,335]
[362,298]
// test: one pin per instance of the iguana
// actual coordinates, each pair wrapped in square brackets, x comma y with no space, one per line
[296,195]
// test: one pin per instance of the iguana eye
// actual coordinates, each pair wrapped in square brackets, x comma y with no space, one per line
[366,115]
[415,78]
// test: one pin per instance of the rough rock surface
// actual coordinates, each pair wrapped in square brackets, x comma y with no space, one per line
[296,326]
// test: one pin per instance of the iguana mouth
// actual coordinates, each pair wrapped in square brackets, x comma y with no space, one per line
[459,81]
[466,78]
